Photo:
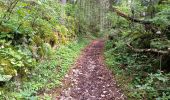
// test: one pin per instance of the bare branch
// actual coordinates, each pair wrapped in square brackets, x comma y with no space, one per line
[149,50]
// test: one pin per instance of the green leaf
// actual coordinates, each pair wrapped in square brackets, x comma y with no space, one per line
[5,78]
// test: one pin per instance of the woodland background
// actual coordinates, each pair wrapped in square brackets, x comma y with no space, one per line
[40,39]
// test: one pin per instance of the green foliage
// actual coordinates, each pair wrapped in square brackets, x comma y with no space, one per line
[29,18]
[160,43]
[47,74]
[30,32]
[139,74]
[145,80]
[15,62]
[34,25]
[155,85]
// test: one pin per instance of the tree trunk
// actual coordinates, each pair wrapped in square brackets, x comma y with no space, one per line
[63,1]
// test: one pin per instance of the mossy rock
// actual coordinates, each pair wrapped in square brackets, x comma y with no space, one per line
[7,67]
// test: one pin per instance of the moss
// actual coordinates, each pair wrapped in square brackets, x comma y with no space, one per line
[8,68]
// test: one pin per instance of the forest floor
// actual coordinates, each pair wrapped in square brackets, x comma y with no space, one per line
[89,79]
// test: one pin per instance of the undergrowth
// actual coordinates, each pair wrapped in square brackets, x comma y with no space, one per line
[136,73]
[46,75]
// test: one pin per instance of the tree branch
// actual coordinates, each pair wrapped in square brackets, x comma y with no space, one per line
[149,50]
[122,14]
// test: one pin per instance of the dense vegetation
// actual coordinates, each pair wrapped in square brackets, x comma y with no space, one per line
[138,48]
[38,44]
[40,39]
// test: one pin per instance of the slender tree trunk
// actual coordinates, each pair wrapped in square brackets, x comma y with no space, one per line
[63,1]
[63,10]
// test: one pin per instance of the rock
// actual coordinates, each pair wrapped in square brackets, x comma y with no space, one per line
[5,78]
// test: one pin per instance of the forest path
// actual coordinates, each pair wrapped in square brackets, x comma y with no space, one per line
[90,79]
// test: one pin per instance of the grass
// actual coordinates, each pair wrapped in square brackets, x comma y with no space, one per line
[47,74]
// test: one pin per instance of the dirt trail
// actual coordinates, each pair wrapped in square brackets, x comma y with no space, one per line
[90,79]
